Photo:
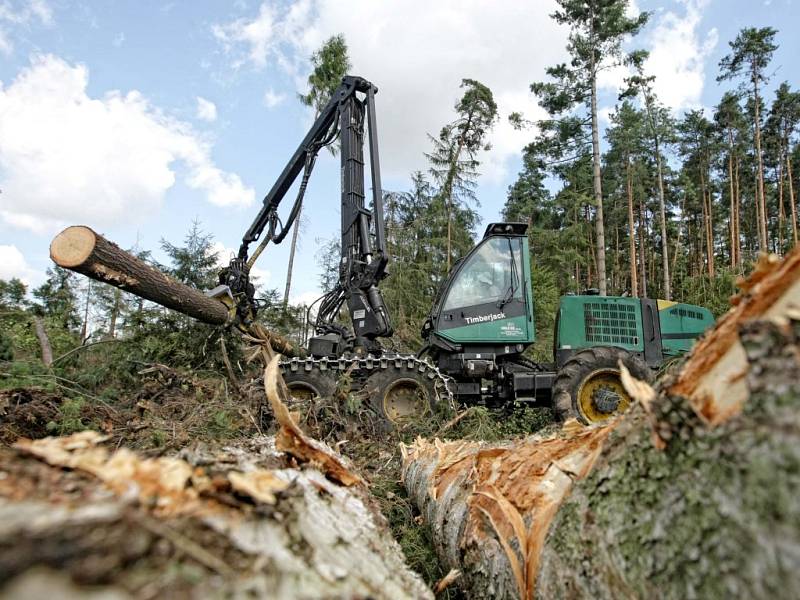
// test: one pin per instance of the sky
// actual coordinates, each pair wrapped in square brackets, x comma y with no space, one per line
[136,118]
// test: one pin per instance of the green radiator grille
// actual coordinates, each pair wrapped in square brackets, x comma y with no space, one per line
[610,323]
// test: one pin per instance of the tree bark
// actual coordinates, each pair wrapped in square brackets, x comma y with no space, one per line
[781,210]
[732,223]
[689,494]
[44,341]
[85,325]
[243,522]
[112,323]
[631,233]
[738,214]
[643,248]
[80,249]
[760,162]
[792,198]
[600,231]
[661,204]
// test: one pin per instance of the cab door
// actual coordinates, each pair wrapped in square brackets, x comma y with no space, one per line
[486,299]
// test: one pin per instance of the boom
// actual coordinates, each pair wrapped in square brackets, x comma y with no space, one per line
[363,240]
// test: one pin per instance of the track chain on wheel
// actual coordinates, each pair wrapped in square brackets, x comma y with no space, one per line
[362,367]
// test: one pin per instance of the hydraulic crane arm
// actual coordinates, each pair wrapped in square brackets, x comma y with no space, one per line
[363,240]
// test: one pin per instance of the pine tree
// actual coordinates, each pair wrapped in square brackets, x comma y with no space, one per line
[626,138]
[453,159]
[780,128]
[12,293]
[750,56]
[597,29]
[57,299]
[658,121]
[194,263]
[730,123]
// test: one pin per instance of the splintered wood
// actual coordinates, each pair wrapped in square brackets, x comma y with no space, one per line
[714,376]
[290,437]
[492,507]
[494,503]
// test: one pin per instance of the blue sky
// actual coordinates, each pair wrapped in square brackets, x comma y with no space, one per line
[136,117]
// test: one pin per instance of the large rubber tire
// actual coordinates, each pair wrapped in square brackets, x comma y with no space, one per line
[401,395]
[306,384]
[589,370]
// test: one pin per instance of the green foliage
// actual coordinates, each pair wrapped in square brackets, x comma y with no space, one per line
[6,349]
[222,424]
[432,226]
[750,55]
[12,293]
[70,417]
[57,298]
[194,263]
[713,293]
[329,64]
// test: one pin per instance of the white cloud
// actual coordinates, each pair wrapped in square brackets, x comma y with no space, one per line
[304,298]
[273,98]
[13,264]
[66,157]
[21,14]
[678,52]
[417,63]
[206,110]
[268,37]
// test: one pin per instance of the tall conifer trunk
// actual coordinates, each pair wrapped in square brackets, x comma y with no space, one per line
[631,232]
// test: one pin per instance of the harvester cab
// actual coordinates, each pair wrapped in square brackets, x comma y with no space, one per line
[486,302]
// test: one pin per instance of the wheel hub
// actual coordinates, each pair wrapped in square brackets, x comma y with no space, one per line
[303,391]
[404,398]
[606,400]
[601,396]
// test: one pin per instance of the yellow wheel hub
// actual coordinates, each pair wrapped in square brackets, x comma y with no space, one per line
[298,391]
[601,396]
[404,398]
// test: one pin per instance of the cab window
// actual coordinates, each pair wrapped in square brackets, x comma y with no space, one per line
[493,273]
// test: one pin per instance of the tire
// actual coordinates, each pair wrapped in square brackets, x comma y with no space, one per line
[306,384]
[401,395]
[588,386]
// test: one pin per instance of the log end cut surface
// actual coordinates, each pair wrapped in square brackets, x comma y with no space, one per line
[73,246]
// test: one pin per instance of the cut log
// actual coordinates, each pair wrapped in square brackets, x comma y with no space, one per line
[684,496]
[80,249]
[84,251]
[78,518]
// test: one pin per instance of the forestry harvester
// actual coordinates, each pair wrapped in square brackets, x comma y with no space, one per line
[479,326]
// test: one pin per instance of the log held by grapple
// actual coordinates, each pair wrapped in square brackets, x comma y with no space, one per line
[80,249]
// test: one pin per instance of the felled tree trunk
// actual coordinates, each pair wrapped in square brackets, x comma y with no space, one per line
[245,521]
[84,251]
[694,493]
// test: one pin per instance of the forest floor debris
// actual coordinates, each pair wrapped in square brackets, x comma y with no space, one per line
[179,415]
